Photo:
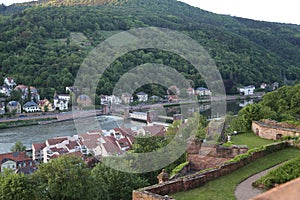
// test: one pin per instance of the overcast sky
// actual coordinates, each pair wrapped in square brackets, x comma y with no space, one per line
[286,11]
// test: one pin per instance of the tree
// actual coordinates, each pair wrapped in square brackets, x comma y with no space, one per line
[66,177]
[15,186]
[254,112]
[16,95]
[119,185]
[29,94]
[18,147]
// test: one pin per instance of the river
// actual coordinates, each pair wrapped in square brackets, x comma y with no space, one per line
[39,133]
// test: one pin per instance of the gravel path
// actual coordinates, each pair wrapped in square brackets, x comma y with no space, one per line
[245,191]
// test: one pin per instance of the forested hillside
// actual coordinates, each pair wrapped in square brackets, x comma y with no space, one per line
[44,45]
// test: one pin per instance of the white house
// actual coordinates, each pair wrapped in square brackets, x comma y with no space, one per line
[263,86]
[61,101]
[15,161]
[105,99]
[5,91]
[31,106]
[142,96]
[201,91]
[247,90]
[9,82]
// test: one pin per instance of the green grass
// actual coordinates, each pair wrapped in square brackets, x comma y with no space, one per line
[223,187]
[249,139]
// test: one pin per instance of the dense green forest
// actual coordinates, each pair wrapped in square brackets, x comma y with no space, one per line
[281,105]
[44,45]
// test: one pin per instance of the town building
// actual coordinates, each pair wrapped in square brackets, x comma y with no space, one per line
[110,100]
[14,106]
[155,130]
[9,83]
[16,161]
[142,97]
[25,91]
[247,90]
[61,101]
[31,106]
[263,86]
[84,100]
[127,98]
[202,91]
[45,105]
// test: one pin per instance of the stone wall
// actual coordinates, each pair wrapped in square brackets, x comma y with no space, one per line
[161,191]
[203,156]
[272,130]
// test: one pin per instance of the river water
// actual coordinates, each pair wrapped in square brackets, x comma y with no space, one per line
[39,133]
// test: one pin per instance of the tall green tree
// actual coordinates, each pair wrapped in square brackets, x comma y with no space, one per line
[253,112]
[18,147]
[15,186]
[118,184]
[65,178]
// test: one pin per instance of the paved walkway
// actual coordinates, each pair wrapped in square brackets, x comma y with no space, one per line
[245,190]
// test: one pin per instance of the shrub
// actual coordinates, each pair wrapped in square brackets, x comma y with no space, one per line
[284,173]
[177,169]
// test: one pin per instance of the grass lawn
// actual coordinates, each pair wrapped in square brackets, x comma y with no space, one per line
[223,187]
[249,139]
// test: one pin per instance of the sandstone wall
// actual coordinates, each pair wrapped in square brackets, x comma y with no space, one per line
[272,131]
[161,191]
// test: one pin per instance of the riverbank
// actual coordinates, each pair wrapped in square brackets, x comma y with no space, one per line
[20,123]
[47,118]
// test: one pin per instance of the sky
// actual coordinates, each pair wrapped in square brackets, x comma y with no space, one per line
[286,11]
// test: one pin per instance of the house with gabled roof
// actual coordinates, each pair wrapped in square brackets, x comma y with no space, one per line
[9,82]
[31,106]
[107,147]
[142,96]
[153,130]
[61,101]
[247,90]
[14,106]
[15,161]
[37,151]
[90,140]
[45,105]
[202,91]
[58,146]
[24,89]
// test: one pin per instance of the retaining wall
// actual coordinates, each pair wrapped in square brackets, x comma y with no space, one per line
[161,191]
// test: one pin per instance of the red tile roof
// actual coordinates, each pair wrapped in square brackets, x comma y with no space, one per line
[124,143]
[90,140]
[111,139]
[15,156]
[157,130]
[39,146]
[111,148]
[72,145]
[56,140]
